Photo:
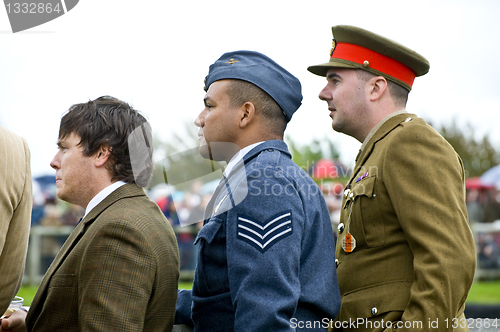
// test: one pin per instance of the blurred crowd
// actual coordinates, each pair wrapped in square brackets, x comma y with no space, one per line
[483,207]
[184,209]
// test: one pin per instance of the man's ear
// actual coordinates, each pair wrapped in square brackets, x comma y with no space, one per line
[378,85]
[102,155]
[247,114]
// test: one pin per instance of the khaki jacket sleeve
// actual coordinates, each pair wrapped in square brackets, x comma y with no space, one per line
[15,213]
[425,181]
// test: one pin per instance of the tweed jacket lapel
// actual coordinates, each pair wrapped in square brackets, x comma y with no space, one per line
[40,294]
[128,190]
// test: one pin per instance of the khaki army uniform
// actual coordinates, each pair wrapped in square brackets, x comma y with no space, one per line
[414,254]
[405,252]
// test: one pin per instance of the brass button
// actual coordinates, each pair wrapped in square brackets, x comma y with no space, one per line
[336,262]
[366,64]
[340,227]
[374,311]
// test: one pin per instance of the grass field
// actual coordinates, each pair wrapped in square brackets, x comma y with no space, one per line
[485,292]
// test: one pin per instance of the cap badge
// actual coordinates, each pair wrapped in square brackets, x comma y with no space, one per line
[231,61]
[334,44]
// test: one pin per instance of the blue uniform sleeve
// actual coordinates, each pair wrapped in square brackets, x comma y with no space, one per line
[264,235]
[183,308]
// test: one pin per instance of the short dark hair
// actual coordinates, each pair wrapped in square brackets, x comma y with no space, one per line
[108,121]
[398,93]
[240,92]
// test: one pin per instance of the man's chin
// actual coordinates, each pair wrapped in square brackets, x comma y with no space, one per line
[336,126]
[60,194]
[205,152]
[218,151]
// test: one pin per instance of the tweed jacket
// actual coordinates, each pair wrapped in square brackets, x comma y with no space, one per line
[266,251]
[117,271]
[15,213]
[414,258]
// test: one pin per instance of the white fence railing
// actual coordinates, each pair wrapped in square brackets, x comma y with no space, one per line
[45,241]
[487,237]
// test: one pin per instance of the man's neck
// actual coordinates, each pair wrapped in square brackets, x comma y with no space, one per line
[238,157]
[102,194]
[378,125]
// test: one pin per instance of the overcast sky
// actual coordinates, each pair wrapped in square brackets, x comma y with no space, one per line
[155,55]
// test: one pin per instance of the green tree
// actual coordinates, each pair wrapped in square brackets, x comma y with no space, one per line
[307,155]
[477,153]
[179,156]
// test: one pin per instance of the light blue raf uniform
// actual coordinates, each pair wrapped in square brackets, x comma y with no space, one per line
[266,251]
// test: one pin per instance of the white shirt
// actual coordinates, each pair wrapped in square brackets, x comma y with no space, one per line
[102,195]
[238,157]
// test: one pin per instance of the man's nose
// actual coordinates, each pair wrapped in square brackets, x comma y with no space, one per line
[324,94]
[55,163]
[200,120]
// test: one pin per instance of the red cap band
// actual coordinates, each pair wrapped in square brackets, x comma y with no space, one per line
[377,61]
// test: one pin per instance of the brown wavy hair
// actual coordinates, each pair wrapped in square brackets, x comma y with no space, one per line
[110,122]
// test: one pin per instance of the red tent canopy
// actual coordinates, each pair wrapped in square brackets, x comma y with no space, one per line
[475,183]
[325,169]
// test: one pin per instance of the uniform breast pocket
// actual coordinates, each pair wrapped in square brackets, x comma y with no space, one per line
[212,263]
[367,223]
[209,231]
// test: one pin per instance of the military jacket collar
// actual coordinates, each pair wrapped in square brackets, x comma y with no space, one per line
[238,173]
[266,145]
[378,125]
[271,145]
[384,129]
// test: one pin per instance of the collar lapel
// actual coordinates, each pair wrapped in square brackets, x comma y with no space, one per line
[127,190]
[72,239]
[219,192]
[386,128]
[223,190]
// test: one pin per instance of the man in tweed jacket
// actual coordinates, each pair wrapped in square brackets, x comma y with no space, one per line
[119,268]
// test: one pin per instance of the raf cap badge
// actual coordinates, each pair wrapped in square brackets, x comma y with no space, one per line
[231,61]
